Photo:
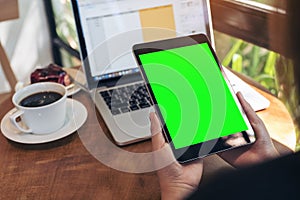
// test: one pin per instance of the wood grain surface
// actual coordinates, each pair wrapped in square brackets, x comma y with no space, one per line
[65,169]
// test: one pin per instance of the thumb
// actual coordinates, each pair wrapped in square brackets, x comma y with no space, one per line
[257,124]
[162,152]
[158,140]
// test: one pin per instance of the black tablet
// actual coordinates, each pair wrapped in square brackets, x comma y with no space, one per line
[199,112]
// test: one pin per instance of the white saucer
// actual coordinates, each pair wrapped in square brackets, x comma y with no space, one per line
[76,116]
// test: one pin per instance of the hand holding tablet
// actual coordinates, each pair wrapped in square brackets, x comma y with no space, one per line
[196,106]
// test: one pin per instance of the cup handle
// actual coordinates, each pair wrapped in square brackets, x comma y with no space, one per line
[13,119]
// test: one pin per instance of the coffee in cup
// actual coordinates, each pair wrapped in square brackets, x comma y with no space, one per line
[41,108]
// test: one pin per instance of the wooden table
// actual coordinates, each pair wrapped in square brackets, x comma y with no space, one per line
[65,169]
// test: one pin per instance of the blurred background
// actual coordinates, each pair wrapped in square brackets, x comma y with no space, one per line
[45,32]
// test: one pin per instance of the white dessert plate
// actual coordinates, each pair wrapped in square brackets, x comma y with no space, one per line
[76,116]
[78,76]
[71,89]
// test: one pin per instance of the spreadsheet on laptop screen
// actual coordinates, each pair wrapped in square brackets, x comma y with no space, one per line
[110,28]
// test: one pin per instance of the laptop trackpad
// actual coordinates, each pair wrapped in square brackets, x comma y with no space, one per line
[134,124]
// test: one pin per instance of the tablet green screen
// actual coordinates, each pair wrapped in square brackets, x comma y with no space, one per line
[192,95]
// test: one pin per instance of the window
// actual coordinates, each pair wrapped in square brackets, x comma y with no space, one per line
[63,32]
[261,23]
[275,3]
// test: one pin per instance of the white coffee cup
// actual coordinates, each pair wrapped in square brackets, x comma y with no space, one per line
[40,119]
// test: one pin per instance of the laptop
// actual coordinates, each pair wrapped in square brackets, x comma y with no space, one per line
[107,30]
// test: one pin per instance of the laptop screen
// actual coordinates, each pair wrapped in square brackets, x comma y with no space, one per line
[107,30]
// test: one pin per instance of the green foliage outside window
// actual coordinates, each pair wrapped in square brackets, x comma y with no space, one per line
[256,62]
[65,28]
[268,68]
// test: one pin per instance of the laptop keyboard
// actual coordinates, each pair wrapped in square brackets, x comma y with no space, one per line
[126,99]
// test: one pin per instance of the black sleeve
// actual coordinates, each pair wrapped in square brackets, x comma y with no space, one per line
[278,179]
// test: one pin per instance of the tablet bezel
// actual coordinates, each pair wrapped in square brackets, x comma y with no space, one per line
[206,148]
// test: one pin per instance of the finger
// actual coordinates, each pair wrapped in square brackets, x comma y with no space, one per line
[162,152]
[256,123]
[246,106]
[158,140]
